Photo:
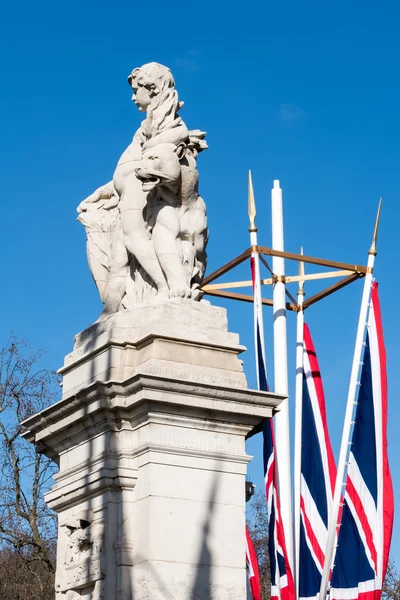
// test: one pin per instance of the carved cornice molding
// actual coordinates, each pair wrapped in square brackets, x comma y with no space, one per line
[134,398]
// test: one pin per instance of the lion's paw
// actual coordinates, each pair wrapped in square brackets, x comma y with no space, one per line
[180,292]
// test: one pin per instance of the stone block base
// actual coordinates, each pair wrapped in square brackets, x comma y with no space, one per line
[150,441]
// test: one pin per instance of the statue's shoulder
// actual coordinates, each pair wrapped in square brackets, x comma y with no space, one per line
[132,152]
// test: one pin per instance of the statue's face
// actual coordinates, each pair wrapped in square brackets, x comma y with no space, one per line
[141,96]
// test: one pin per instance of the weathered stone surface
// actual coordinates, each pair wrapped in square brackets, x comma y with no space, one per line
[151,485]
[183,340]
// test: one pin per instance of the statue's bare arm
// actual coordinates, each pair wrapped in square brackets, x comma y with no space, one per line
[104,192]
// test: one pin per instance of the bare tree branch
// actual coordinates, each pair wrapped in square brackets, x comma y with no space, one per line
[257,524]
[27,525]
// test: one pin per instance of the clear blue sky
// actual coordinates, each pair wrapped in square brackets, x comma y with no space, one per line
[307,93]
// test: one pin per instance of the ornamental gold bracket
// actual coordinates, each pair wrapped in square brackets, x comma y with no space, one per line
[347,273]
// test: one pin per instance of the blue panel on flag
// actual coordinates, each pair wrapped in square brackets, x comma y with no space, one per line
[351,563]
[281,564]
[267,446]
[364,443]
[312,468]
[271,544]
[310,580]
[262,376]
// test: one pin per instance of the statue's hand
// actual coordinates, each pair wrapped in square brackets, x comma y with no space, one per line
[82,207]
[105,192]
[174,135]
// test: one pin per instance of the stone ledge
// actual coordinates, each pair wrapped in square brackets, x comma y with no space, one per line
[184,319]
[219,401]
[73,490]
[187,341]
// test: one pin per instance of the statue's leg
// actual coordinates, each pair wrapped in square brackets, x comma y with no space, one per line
[136,240]
[95,246]
[168,249]
[119,271]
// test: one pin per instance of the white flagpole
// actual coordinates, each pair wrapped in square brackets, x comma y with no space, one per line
[351,399]
[281,373]
[298,424]
[258,315]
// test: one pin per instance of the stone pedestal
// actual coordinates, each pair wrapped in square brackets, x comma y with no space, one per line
[150,441]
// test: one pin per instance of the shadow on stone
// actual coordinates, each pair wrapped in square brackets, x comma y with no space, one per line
[203,580]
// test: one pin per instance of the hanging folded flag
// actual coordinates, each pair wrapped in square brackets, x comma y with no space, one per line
[282,584]
[258,325]
[252,568]
[366,526]
[318,473]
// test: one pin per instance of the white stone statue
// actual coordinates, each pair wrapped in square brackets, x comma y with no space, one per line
[147,228]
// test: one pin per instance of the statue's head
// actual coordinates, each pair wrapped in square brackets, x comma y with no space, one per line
[150,85]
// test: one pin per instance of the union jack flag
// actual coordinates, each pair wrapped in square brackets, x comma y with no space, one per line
[282,584]
[318,474]
[367,518]
[252,568]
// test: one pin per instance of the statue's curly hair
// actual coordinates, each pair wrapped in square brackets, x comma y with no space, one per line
[164,106]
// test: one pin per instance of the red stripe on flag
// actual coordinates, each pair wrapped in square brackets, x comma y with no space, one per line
[363,518]
[269,478]
[372,595]
[388,498]
[254,578]
[311,536]
[253,270]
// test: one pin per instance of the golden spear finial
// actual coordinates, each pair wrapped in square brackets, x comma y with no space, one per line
[373,250]
[251,206]
[300,291]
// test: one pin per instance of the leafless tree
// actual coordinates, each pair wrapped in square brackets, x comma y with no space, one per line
[257,524]
[391,585]
[27,525]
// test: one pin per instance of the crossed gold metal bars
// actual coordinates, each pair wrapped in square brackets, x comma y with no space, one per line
[347,272]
